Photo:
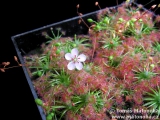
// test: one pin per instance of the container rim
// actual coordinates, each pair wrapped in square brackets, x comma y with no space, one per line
[66,20]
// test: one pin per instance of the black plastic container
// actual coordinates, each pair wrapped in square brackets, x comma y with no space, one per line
[26,42]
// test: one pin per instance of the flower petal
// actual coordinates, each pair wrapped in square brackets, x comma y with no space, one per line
[71,65]
[81,58]
[74,52]
[68,56]
[79,65]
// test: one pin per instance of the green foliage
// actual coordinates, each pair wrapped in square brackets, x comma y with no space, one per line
[79,101]
[39,102]
[126,91]
[88,67]
[70,44]
[102,24]
[131,30]
[140,49]
[50,116]
[99,100]
[60,109]
[90,20]
[144,74]
[64,46]
[120,20]
[54,36]
[107,75]
[156,46]
[81,41]
[113,62]
[152,100]
[43,65]
[111,43]
[59,77]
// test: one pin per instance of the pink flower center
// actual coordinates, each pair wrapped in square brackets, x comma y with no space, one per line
[75,59]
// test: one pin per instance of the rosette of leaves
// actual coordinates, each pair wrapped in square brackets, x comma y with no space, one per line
[113,61]
[41,65]
[80,41]
[69,44]
[152,100]
[131,30]
[59,77]
[111,43]
[145,74]
[80,101]
[156,46]
[54,36]
[103,24]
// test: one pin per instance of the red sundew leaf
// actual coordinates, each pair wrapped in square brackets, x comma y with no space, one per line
[128,98]
[138,89]
[89,111]
[130,77]
[72,116]
[121,10]
[109,103]
[81,89]
[119,100]
[155,81]
[138,101]
[137,97]
[104,89]
[66,98]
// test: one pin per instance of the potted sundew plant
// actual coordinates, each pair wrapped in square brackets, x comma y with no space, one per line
[100,66]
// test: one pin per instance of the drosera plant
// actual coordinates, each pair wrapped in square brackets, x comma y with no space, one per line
[81,41]
[152,100]
[71,42]
[53,36]
[43,65]
[131,30]
[88,104]
[139,49]
[112,67]
[111,43]
[81,101]
[101,25]
[59,77]
[75,42]
[53,111]
[156,46]
[146,74]
[92,68]
[113,62]
[77,105]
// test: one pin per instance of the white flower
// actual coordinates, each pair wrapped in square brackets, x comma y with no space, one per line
[75,59]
